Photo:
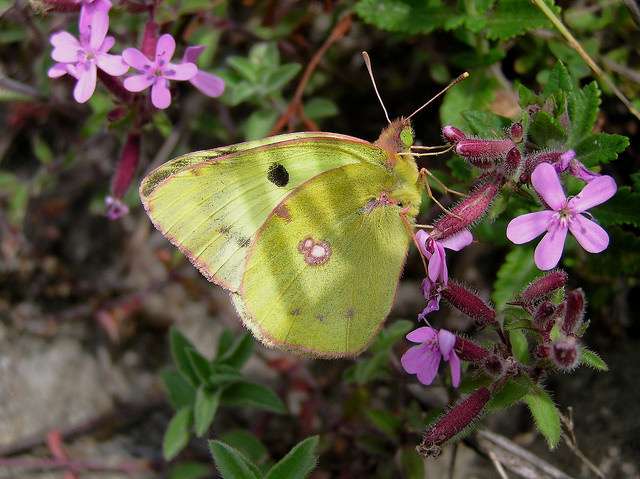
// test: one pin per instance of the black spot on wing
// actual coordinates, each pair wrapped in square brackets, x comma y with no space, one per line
[278,174]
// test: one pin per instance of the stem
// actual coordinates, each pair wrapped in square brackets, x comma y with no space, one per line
[573,43]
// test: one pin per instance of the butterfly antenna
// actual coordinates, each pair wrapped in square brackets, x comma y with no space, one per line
[367,62]
[457,80]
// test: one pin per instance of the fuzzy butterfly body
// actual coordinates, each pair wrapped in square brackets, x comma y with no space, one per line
[304,230]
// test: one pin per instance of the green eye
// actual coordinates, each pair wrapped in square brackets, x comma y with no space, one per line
[406,136]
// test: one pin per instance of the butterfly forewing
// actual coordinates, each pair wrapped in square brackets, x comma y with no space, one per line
[322,272]
[211,203]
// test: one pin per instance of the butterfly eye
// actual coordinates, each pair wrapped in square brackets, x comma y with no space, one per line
[406,136]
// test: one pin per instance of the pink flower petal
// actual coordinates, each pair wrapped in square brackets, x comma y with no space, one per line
[546,182]
[421,238]
[208,83]
[165,48]
[182,71]
[446,341]
[107,44]
[458,241]
[160,94]
[596,192]
[98,29]
[436,263]
[86,84]
[549,250]
[422,335]
[191,54]
[429,368]
[414,358]
[57,70]
[590,235]
[454,364]
[66,54]
[112,64]
[136,83]
[135,58]
[526,227]
[64,39]
[98,10]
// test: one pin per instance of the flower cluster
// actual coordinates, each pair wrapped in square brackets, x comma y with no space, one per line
[83,57]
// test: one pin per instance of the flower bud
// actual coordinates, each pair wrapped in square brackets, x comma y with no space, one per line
[565,353]
[57,5]
[511,163]
[574,312]
[150,39]
[516,132]
[543,286]
[466,211]
[467,350]
[453,422]
[483,149]
[126,166]
[535,159]
[469,303]
[544,315]
[453,134]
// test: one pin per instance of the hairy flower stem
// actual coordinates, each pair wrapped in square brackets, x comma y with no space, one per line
[469,303]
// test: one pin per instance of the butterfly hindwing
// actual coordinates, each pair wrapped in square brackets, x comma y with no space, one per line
[322,272]
[211,203]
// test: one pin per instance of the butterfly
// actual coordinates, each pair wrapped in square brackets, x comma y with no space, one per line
[307,231]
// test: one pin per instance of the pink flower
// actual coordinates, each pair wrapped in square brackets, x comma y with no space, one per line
[157,73]
[564,215]
[81,58]
[208,83]
[93,10]
[433,250]
[424,359]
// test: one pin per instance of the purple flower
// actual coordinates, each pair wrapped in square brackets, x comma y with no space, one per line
[93,11]
[208,83]
[81,58]
[157,73]
[424,359]
[564,215]
[569,162]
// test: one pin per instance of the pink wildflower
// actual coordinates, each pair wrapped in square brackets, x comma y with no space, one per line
[81,58]
[94,11]
[157,73]
[208,83]
[424,359]
[564,215]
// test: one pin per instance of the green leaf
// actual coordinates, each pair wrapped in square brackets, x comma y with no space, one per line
[519,345]
[180,346]
[545,414]
[593,360]
[247,394]
[545,131]
[526,96]
[238,352]
[180,392]
[476,93]
[259,124]
[411,464]
[408,16]
[248,444]
[485,123]
[514,17]
[281,76]
[515,273]
[204,409]
[385,421]
[244,67]
[512,392]
[600,148]
[390,335]
[320,108]
[559,82]
[225,341]
[231,463]
[583,110]
[298,463]
[176,436]
[199,364]
[622,209]
[190,470]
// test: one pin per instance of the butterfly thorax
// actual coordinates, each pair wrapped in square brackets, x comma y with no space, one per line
[397,139]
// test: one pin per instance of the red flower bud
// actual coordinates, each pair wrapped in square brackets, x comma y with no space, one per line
[453,134]
[516,132]
[574,312]
[466,212]
[60,5]
[483,149]
[453,422]
[150,38]
[511,163]
[469,303]
[127,166]
[543,286]
[565,353]
[467,350]
[536,159]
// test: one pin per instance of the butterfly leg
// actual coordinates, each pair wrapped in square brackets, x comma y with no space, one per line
[424,174]
[442,185]
[409,227]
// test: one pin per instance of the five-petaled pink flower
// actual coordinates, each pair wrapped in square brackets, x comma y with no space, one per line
[564,215]
[94,11]
[424,359]
[208,83]
[81,58]
[157,73]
